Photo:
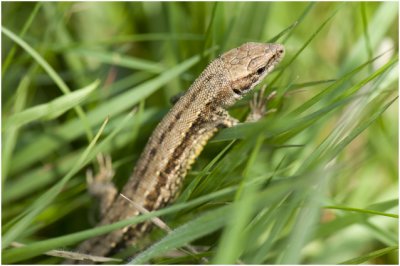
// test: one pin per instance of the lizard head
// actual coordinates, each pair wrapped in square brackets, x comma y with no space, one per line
[247,65]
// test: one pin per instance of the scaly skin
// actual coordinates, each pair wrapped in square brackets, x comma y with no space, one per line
[180,137]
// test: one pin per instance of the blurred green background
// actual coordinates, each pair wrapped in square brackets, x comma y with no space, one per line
[316,181]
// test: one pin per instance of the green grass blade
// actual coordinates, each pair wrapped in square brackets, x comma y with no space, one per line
[312,37]
[50,110]
[41,203]
[44,145]
[358,130]
[28,251]
[9,138]
[211,221]
[51,72]
[145,37]
[203,225]
[331,90]
[349,218]
[41,177]
[313,182]
[370,256]
[232,241]
[27,24]
[365,30]
[384,17]
[362,211]
[120,60]
[299,20]
[185,195]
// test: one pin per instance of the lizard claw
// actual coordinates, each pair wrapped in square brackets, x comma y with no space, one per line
[258,105]
[101,186]
[105,174]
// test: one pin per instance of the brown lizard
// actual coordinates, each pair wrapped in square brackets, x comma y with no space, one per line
[180,137]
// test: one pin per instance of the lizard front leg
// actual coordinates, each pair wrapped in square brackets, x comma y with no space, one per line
[222,119]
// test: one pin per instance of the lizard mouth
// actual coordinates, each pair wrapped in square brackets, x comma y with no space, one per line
[240,92]
[275,59]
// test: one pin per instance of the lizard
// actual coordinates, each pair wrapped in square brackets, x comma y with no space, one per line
[180,137]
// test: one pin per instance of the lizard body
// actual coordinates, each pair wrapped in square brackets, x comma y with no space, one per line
[180,137]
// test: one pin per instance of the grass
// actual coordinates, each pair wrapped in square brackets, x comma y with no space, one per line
[314,182]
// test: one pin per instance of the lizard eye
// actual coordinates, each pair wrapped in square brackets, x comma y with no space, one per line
[238,92]
[260,70]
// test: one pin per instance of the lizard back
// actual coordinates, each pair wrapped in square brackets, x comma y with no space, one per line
[180,137]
